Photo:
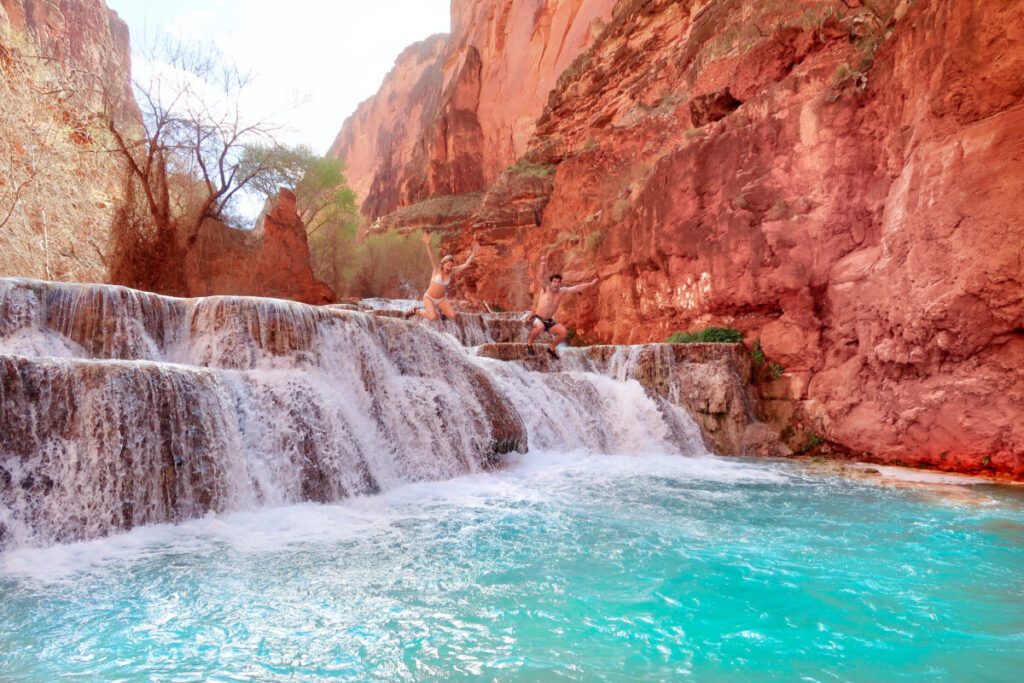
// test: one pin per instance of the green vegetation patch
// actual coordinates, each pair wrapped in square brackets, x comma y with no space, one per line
[437,209]
[813,441]
[722,335]
[757,354]
[528,168]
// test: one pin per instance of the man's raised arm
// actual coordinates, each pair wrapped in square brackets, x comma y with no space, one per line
[581,287]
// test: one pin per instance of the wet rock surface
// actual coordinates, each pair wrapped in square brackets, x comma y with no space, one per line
[710,381]
[123,408]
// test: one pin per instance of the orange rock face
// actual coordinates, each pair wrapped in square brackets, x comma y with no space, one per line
[270,261]
[84,33]
[838,182]
[459,108]
[58,189]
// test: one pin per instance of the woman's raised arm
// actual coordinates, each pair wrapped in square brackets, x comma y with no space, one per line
[472,253]
[430,252]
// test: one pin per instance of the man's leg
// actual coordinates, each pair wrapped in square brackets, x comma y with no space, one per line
[538,327]
[560,332]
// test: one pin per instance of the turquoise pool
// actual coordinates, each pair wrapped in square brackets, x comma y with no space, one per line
[562,567]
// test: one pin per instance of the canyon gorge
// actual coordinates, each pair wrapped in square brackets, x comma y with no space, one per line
[782,440]
[838,180]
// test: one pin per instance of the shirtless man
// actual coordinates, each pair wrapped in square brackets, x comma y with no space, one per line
[543,318]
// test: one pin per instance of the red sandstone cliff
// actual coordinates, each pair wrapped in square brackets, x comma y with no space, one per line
[57,194]
[459,108]
[272,260]
[841,183]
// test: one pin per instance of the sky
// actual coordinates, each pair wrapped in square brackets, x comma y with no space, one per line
[314,60]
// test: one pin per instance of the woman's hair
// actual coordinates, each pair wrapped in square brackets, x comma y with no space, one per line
[449,257]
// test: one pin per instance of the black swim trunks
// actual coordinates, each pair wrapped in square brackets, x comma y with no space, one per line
[548,323]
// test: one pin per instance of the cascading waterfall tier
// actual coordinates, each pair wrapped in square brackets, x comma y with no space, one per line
[121,408]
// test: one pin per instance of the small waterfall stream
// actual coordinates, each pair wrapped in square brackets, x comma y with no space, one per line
[122,408]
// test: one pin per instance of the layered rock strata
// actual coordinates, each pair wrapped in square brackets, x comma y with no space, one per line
[458,108]
[712,382]
[122,408]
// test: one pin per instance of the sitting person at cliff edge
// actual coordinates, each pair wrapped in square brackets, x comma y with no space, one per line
[435,299]
[543,315]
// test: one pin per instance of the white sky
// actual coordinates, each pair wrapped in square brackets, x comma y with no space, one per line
[332,54]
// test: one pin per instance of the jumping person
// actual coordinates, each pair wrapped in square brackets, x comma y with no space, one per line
[435,299]
[543,318]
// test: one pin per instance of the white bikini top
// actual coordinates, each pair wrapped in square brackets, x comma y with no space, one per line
[441,281]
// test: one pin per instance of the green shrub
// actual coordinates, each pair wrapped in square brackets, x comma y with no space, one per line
[595,240]
[777,370]
[813,441]
[757,354]
[725,335]
[528,168]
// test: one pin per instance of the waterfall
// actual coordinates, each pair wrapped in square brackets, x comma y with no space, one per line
[121,408]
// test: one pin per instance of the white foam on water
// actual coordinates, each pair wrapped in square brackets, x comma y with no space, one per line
[39,343]
[533,478]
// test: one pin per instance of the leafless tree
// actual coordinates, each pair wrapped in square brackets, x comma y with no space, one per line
[187,154]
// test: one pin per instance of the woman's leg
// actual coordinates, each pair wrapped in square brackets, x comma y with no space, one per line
[447,309]
[429,311]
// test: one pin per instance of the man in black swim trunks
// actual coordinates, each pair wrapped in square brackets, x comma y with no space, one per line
[543,318]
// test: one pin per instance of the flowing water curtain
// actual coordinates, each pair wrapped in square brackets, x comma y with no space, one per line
[129,408]
[283,402]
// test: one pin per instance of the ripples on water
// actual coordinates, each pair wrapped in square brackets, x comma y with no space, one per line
[562,567]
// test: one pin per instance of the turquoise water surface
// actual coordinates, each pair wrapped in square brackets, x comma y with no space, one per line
[562,567]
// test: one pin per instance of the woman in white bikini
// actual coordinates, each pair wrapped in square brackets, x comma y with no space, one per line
[435,300]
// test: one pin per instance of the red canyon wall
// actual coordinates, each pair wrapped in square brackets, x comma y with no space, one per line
[839,182]
[459,108]
[271,260]
[57,194]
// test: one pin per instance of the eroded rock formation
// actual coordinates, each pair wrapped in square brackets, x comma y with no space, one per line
[836,179]
[271,260]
